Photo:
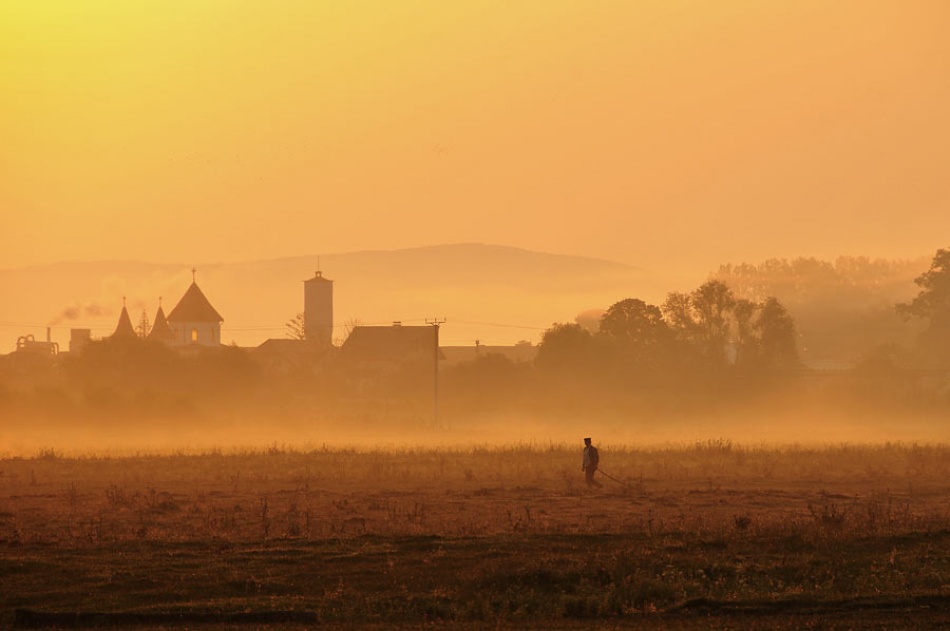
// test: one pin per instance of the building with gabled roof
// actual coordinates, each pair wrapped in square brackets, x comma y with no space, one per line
[392,366]
[193,321]
[390,344]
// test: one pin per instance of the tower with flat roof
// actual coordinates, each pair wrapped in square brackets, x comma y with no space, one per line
[318,310]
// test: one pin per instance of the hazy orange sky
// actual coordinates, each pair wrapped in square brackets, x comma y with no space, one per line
[641,131]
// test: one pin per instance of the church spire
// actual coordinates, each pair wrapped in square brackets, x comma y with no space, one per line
[124,327]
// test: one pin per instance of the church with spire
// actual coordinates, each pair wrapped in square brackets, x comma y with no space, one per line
[193,323]
[124,328]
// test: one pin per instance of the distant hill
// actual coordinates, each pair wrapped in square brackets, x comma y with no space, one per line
[493,293]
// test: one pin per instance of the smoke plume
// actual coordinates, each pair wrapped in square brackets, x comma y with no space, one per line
[74,312]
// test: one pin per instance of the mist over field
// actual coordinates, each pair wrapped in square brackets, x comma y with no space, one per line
[798,351]
[769,444]
[809,428]
[307,309]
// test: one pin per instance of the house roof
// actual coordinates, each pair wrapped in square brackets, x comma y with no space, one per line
[194,307]
[288,353]
[281,345]
[124,328]
[160,329]
[389,343]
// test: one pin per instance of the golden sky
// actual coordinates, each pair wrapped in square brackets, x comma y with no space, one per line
[654,132]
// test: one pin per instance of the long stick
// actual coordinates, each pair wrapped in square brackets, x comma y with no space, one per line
[611,477]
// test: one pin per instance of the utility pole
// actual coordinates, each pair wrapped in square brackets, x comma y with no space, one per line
[435,323]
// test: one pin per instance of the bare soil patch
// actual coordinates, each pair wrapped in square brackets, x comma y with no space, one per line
[698,536]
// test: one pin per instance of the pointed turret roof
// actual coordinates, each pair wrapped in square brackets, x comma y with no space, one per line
[160,329]
[194,307]
[124,328]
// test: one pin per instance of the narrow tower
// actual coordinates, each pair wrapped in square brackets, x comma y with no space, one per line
[318,310]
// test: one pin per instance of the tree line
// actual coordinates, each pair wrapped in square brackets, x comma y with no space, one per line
[710,346]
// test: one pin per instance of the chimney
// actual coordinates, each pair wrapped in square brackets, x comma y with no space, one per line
[48,335]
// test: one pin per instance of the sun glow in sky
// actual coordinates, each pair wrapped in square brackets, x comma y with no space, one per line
[655,133]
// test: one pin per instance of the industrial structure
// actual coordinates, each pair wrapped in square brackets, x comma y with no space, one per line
[29,344]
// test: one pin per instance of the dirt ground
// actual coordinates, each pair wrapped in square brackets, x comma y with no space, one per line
[708,535]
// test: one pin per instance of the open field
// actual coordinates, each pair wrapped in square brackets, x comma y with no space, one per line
[708,535]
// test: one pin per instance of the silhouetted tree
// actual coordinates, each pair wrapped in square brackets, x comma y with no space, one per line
[678,310]
[701,320]
[747,342]
[565,346]
[295,327]
[637,337]
[933,301]
[777,337]
[933,305]
[713,302]
[837,305]
[485,383]
[636,323]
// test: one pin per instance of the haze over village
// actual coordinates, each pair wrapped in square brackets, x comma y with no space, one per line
[438,314]
[509,172]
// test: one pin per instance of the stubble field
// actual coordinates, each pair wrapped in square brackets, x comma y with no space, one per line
[708,535]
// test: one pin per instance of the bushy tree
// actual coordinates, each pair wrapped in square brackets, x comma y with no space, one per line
[713,302]
[747,342]
[565,346]
[932,304]
[701,320]
[678,311]
[933,301]
[635,324]
[484,383]
[777,336]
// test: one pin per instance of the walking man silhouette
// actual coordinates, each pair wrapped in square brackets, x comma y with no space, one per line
[591,460]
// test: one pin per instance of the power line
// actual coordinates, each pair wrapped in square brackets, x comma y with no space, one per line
[509,326]
[269,327]
[55,327]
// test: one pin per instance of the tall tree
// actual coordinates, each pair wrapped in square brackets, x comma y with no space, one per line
[747,342]
[564,344]
[678,311]
[933,305]
[933,301]
[712,303]
[777,336]
[635,323]
[568,351]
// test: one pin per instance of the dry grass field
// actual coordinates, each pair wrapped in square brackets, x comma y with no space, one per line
[708,535]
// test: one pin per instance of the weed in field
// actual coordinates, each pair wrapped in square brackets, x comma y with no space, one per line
[264,512]
[712,526]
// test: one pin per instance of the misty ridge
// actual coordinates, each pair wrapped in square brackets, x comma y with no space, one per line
[792,341]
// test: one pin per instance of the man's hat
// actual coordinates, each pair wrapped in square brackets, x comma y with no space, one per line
[587,440]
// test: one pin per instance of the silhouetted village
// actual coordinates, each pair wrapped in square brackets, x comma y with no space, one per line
[725,345]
